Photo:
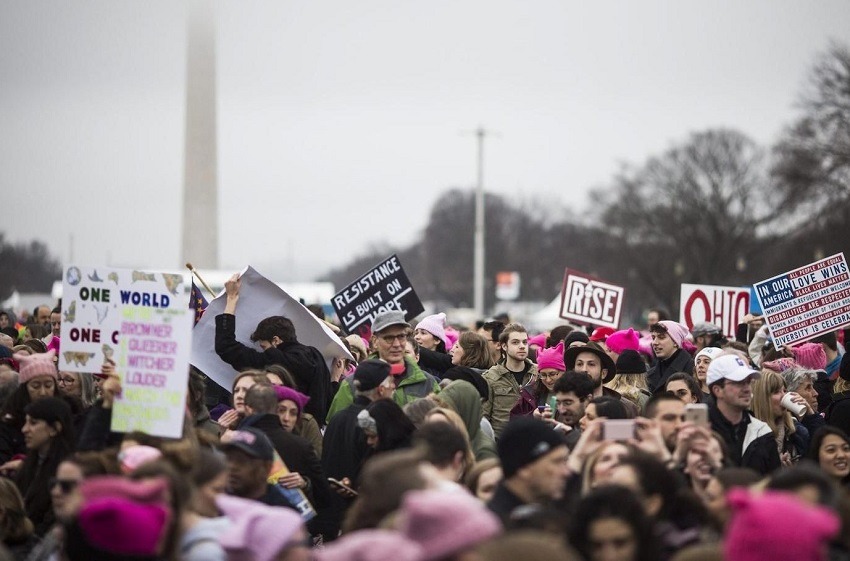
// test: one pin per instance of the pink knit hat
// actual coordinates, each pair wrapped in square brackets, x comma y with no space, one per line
[134,456]
[445,524]
[124,527]
[780,365]
[810,355]
[776,526]
[257,531]
[435,325]
[619,341]
[676,331]
[370,545]
[295,396]
[451,337]
[111,486]
[553,357]
[38,364]
[539,340]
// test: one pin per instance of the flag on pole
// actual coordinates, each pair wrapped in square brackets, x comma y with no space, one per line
[197,302]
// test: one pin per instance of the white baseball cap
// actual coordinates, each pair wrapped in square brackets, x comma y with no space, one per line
[730,367]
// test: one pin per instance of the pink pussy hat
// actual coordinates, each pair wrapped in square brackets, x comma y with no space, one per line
[620,341]
[776,526]
[436,326]
[445,524]
[34,365]
[257,531]
[553,358]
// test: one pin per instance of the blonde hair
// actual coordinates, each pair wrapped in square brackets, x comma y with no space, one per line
[628,385]
[763,388]
[841,385]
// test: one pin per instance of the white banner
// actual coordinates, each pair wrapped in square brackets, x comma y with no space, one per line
[724,306]
[259,298]
[142,322]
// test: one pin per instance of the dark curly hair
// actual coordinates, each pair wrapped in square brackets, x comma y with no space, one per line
[275,325]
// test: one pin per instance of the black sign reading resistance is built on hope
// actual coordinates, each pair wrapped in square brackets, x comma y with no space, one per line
[384,287]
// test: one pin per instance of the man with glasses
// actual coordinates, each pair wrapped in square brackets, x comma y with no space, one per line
[389,338]
[751,442]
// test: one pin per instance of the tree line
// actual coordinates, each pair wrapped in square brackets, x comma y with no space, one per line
[715,208]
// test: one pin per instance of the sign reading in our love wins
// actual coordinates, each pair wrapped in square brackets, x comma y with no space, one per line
[588,300]
[806,302]
[724,306]
[138,320]
[384,287]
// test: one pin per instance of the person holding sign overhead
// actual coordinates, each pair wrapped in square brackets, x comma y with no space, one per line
[277,338]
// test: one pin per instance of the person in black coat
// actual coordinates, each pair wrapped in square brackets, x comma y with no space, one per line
[296,452]
[667,339]
[276,336]
[344,448]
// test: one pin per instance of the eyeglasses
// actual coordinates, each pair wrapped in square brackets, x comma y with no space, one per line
[390,339]
[65,485]
[550,375]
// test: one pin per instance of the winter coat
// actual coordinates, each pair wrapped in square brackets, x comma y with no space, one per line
[410,386]
[461,396]
[305,363]
[751,443]
[504,393]
[657,376]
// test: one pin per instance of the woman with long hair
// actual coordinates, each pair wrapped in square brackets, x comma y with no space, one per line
[791,437]
[38,379]
[386,426]
[830,449]
[610,523]
[49,437]
[536,394]
[472,351]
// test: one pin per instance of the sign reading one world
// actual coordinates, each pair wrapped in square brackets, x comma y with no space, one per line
[139,321]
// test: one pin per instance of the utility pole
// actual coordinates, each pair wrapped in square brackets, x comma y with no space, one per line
[478,267]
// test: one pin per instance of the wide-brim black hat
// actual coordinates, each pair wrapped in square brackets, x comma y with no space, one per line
[572,353]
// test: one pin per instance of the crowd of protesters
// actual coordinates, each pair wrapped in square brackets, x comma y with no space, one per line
[438,442]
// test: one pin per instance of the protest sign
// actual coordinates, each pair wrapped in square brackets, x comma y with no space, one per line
[138,320]
[588,300]
[806,302]
[384,287]
[259,298]
[723,306]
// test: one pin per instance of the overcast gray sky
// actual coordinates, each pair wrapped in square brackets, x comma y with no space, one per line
[341,122]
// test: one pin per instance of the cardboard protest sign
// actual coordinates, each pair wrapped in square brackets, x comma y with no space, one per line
[723,306]
[806,302]
[590,301]
[259,298]
[139,320]
[384,287]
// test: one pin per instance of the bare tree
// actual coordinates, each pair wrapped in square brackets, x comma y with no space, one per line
[811,163]
[693,214]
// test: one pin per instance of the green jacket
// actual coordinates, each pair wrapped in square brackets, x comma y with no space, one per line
[411,385]
[504,393]
[462,396]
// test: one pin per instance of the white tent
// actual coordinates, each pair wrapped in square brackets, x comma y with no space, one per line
[548,317]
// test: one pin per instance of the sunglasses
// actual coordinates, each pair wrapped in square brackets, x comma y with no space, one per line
[65,485]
